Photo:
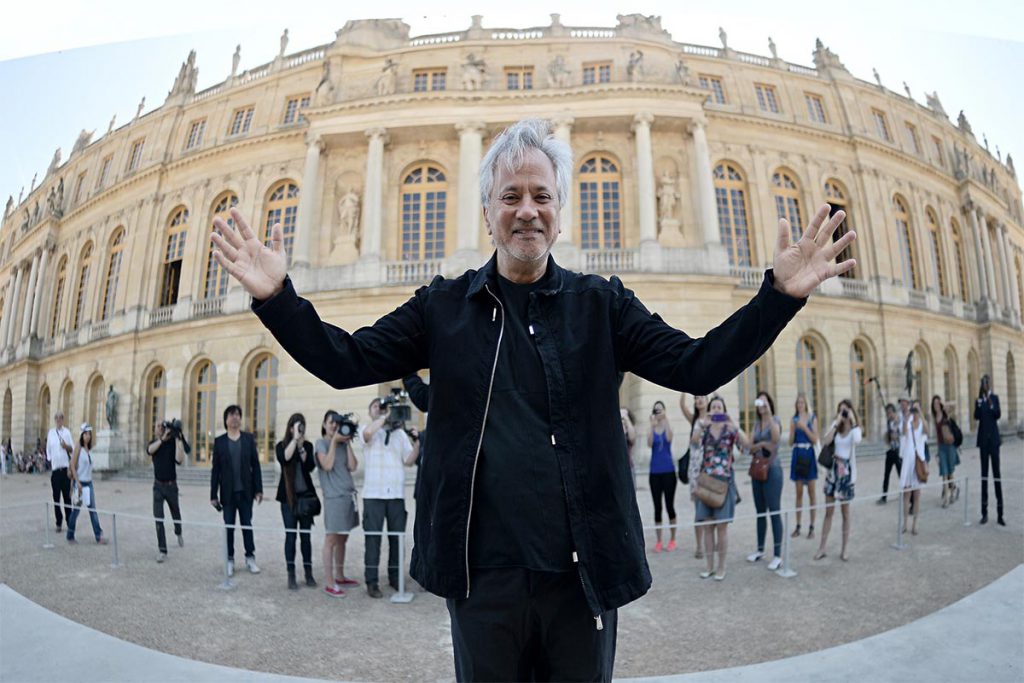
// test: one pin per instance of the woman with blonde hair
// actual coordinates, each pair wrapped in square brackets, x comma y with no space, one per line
[803,467]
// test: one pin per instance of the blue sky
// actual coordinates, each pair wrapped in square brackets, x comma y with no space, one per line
[68,66]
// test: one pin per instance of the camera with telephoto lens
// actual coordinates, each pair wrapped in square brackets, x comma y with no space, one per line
[347,424]
[398,409]
[845,414]
[174,428]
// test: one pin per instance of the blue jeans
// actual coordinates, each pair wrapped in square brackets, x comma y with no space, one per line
[768,497]
[93,517]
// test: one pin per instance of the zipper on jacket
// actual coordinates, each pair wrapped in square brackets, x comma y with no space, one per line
[598,622]
[487,406]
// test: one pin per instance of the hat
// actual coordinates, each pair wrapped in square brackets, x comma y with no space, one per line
[85,427]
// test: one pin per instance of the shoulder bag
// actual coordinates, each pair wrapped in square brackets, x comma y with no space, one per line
[827,456]
[711,490]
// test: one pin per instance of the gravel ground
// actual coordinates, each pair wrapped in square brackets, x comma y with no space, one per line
[684,624]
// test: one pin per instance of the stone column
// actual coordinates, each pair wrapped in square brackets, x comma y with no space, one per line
[990,263]
[1004,253]
[12,326]
[30,298]
[309,202]
[563,131]
[5,321]
[470,151]
[707,208]
[645,177]
[979,254]
[373,193]
[41,286]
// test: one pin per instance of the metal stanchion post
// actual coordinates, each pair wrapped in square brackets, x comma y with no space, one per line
[967,493]
[899,544]
[227,584]
[401,596]
[46,526]
[785,571]
[113,525]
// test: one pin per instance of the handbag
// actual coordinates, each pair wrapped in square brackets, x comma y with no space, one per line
[828,455]
[711,490]
[307,504]
[684,467]
[920,466]
[759,466]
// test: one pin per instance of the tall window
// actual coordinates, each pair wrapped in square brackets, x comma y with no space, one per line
[113,274]
[597,72]
[293,108]
[787,202]
[215,283]
[136,154]
[815,107]
[58,294]
[1020,279]
[8,414]
[860,370]
[939,156]
[881,124]
[519,78]
[731,198]
[938,263]
[195,134]
[958,254]
[921,371]
[751,382]
[429,79]
[835,194]
[600,203]
[94,402]
[913,141]
[156,399]
[241,119]
[204,410]
[282,207]
[973,381]
[907,260]
[810,373]
[177,231]
[262,404]
[101,179]
[767,98]
[949,377]
[79,185]
[424,213]
[1011,387]
[44,412]
[714,84]
[67,402]
[83,285]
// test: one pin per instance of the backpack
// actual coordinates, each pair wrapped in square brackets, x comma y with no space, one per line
[958,435]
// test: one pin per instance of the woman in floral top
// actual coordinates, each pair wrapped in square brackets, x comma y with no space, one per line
[714,437]
[839,484]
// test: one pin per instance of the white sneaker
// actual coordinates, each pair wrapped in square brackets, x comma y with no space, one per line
[250,563]
[231,567]
[754,557]
[775,564]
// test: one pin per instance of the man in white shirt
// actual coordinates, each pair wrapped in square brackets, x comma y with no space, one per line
[58,453]
[387,451]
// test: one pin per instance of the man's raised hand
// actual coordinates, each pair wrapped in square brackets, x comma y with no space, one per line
[260,269]
[802,266]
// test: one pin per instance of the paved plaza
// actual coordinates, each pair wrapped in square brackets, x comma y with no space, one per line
[683,625]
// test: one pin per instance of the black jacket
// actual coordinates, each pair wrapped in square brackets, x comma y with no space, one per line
[987,414]
[222,476]
[587,330]
[288,471]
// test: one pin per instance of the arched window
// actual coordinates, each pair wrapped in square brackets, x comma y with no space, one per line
[1011,388]
[203,410]
[921,369]
[835,194]
[907,260]
[177,232]
[215,283]
[787,202]
[156,399]
[751,382]
[731,198]
[949,377]
[67,402]
[810,375]
[973,382]
[938,263]
[958,254]
[85,262]
[8,415]
[58,294]
[1020,279]
[282,207]
[860,371]
[94,402]
[262,404]
[44,412]
[424,213]
[113,274]
[600,203]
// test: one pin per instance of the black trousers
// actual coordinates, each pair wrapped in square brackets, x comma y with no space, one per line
[165,492]
[60,485]
[292,522]
[990,453]
[375,512]
[892,460]
[523,625]
[241,505]
[663,485]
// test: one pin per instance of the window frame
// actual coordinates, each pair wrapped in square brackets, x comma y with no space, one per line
[715,86]
[767,98]
[418,201]
[293,106]
[435,79]
[241,121]
[600,72]
[608,226]
[816,111]
[135,157]
[523,77]
[196,130]
[882,125]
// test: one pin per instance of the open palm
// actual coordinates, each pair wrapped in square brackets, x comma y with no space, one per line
[260,269]
[802,266]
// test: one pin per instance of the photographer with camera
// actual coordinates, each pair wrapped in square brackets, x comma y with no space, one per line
[167,451]
[912,440]
[295,493]
[337,461]
[388,450]
[235,481]
[845,433]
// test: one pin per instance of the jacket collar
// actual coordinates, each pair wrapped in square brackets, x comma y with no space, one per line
[488,274]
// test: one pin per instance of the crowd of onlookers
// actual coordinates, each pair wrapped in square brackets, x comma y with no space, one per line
[26,463]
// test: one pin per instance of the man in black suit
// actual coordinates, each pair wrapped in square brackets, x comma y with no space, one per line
[987,413]
[235,481]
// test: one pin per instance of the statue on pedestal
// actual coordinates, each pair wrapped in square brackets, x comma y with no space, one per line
[111,406]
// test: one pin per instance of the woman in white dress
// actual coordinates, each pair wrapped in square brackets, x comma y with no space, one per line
[912,440]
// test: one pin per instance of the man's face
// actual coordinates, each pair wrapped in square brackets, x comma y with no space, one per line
[890,413]
[234,420]
[522,214]
[158,429]
[58,420]
[904,407]
[375,410]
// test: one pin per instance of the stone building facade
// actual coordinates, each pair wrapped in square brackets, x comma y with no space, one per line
[367,150]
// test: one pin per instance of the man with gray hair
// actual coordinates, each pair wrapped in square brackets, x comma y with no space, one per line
[526,516]
[59,445]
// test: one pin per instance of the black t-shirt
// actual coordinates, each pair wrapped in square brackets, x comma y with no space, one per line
[163,462]
[519,517]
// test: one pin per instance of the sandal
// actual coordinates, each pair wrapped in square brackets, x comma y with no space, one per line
[796,532]
[820,555]
[707,575]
